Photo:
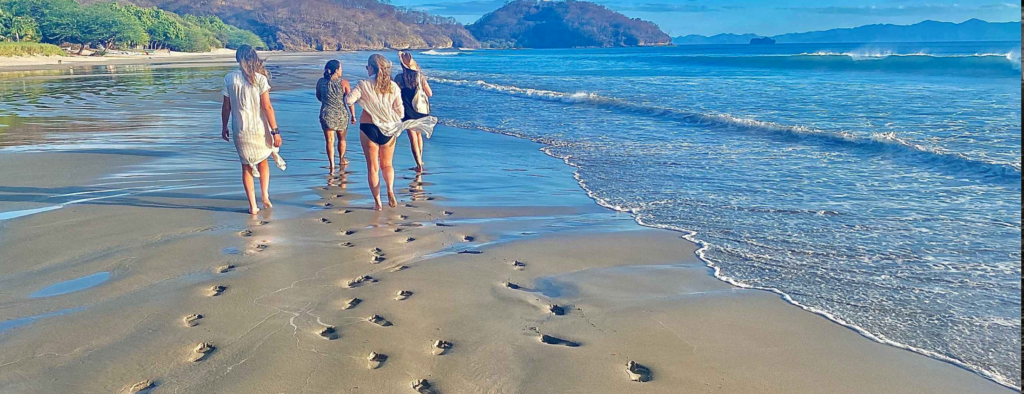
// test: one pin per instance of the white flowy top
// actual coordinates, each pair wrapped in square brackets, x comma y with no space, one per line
[387,110]
[248,127]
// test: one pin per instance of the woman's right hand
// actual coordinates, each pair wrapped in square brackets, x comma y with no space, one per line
[224,134]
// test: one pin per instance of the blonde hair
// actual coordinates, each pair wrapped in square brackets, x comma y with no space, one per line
[251,63]
[382,68]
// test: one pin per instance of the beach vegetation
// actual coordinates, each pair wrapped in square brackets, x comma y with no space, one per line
[109,25]
[11,49]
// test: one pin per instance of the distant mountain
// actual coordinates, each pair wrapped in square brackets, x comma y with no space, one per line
[927,31]
[720,39]
[563,24]
[309,25]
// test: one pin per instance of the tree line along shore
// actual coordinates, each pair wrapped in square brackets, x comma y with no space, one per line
[58,27]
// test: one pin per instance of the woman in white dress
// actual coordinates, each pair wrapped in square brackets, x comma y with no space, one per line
[253,125]
[379,124]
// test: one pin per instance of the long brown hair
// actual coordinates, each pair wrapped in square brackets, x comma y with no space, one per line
[251,63]
[382,68]
[410,70]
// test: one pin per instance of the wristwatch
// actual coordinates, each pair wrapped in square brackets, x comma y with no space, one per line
[275,131]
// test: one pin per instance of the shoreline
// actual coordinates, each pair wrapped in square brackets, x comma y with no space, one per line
[631,292]
[701,246]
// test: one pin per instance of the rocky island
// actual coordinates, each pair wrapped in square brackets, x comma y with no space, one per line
[563,24]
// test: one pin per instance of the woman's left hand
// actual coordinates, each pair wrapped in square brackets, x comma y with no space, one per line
[277,141]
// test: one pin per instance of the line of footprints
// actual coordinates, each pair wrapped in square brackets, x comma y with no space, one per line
[636,372]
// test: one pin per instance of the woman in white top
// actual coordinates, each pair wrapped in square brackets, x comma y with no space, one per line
[379,124]
[253,123]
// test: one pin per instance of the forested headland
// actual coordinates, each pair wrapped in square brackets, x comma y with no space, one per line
[108,25]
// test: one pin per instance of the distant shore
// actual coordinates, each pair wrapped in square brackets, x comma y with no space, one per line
[223,55]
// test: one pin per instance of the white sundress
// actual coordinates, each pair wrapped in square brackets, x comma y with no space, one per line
[387,109]
[249,130]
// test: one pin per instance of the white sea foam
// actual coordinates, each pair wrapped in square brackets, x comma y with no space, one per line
[883,142]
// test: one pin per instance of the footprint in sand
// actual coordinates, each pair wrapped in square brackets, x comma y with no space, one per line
[225,269]
[339,195]
[192,320]
[410,239]
[377,252]
[471,252]
[550,340]
[329,333]
[441,347]
[260,247]
[378,259]
[518,265]
[345,211]
[328,205]
[349,232]
[422,386]
[410,206]
[264,223]
[403,217]
[200,352]
[245,233]
[375,360]
[447,213]
[352,303]
[403,295]
[325,220]
[400,268]
[398,230]
[216,290]
[637,372]
[556,310]
[379,320]
[469,238]
[513,286]
[360,281]
[139,387]
[444,225]
[347,244]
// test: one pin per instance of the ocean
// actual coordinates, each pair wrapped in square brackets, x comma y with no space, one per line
[878,185]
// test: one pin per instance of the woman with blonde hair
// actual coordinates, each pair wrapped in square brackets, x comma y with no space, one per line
[379,124]
[253,124]
[416,93]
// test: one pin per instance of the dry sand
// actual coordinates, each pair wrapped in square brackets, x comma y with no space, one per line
[279,324]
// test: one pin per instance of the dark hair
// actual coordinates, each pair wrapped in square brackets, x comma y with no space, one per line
[332,67]
[251,63]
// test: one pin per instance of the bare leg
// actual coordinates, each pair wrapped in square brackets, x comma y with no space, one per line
[415,151]
[370,150]
[419,148]
[329,137]
[387,154]
[250,192]
[265,183]
[342,146]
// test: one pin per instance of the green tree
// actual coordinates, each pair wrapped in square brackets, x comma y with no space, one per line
[109,24]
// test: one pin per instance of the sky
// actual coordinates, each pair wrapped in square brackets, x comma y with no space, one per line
[765,17]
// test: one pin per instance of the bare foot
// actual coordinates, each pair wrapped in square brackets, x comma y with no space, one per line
[392,200]
[344,161]
[266,203]
[254,211]
[378,206]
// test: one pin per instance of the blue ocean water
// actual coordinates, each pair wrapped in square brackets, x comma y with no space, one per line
[876,184]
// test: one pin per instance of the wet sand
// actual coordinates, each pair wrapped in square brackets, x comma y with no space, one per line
[149,277]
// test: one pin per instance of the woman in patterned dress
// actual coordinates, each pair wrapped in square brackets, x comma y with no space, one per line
[335,115]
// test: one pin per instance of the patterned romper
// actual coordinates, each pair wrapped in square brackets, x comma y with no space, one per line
[333,112]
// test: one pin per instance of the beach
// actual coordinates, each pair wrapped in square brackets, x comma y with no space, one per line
[127,260]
